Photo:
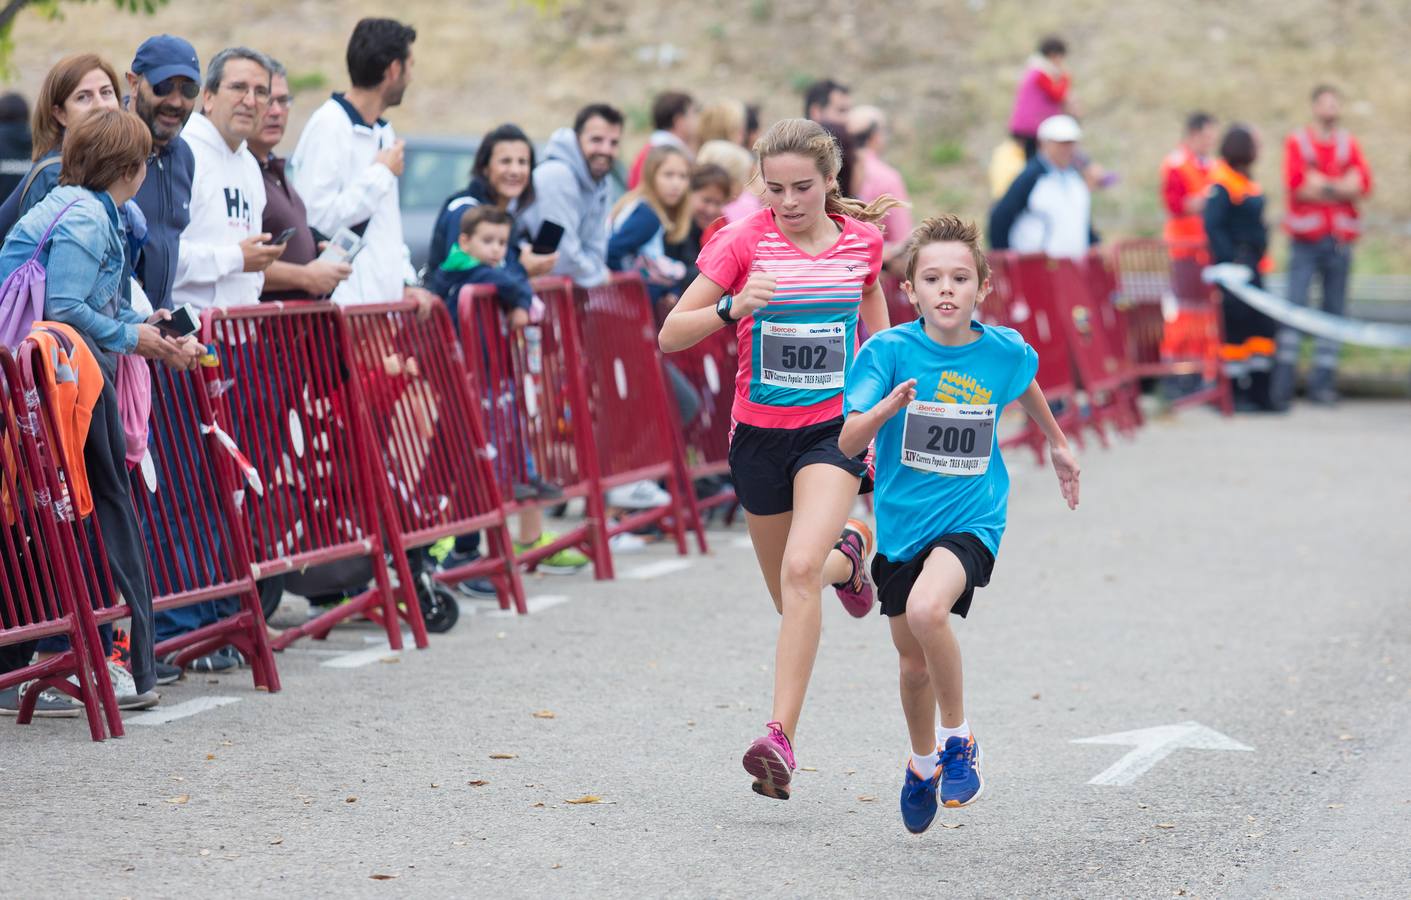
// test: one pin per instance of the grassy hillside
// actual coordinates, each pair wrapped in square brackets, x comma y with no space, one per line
[945,69]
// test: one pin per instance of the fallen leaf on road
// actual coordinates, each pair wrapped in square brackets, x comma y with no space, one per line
[1335,806]
[390,659]
[691,723]
[503,756]
[586,798]
[952,824]
[866,799]
[1166,825]
[204,852]
[351,800]
[850,771]
[226,744]
[479,782]
[544,714]
[556,866]
[539,805]
[210,756]
[459,843]
[1142,806]
[435,784]
[1034,696]
[808,769]
[380,877]
[1346,737]
[274,842]
[182,799]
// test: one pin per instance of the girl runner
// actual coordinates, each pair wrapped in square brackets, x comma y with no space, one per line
[791,280]
[931,393]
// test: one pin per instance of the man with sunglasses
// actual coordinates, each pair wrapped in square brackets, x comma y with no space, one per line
[165,81]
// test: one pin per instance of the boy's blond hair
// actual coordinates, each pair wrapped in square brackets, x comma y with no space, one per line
[943,230]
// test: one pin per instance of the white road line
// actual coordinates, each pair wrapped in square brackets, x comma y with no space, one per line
[179,711]
[535,604]
[657,569]
[361,657]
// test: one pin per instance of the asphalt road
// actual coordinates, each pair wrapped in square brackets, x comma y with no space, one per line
[1246,575]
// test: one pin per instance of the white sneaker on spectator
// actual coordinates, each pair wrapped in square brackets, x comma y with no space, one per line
[638,495]
[626,542]
[126,689]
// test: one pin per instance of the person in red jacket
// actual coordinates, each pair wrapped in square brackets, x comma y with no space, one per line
[677,119]
[1325,178]
[1185,177]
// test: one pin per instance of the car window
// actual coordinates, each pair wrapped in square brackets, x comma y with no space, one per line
[432,175]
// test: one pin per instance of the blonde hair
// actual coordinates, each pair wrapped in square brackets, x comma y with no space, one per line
[723,120]
[676,220]
[807,138]
[944,230]
[734,159]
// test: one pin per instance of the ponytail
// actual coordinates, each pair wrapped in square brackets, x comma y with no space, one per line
[838,205]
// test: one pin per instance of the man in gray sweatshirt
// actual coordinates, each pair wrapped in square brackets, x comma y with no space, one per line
[571,189]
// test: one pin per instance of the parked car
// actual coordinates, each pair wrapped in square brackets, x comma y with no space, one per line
[436,167]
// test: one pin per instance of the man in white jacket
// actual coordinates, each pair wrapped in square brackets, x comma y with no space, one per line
[348,160]
[223,254]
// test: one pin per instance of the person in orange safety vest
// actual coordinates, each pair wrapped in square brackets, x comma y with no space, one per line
[1185,176]
[1325,178]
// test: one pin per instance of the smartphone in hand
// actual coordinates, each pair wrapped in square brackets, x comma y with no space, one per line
[183,321]
[284,236]
[547,240]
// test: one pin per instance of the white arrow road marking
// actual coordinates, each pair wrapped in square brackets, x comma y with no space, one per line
[1155,744]
[657,569]
[179,711]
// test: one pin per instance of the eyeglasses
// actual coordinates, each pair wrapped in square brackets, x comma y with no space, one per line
[242,89]
[283,100]
[189,89]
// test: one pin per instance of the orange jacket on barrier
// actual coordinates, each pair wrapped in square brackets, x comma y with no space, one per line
[1314,220]
[1183,175]
[75,382]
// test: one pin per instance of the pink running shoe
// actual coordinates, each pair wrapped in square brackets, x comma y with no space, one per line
[856,545]
[770,759]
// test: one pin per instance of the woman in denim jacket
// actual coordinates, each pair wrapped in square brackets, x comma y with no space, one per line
[86,287]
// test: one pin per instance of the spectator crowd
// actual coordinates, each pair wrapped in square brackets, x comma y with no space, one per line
[164,188]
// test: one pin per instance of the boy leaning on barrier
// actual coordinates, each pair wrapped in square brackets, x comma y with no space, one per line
[478,257]
[931,393]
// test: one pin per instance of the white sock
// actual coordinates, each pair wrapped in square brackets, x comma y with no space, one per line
[925,766]
[943,733]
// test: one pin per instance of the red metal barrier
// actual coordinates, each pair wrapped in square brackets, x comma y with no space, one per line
[899,308]
[1172,319]
[39,593]
[1104,381]
[193,554]
[433,475]
[710,366]
[1032,310]
[283,396]
[635,424]
[535,408]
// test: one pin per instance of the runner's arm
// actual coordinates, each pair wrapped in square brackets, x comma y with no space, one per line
[861,427]
[874,308]
[693,318]
[1065,464]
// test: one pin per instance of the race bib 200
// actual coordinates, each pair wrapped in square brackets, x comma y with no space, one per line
[949,438]
[802,355]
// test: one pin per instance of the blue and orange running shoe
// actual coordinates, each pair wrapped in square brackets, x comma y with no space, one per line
[918,799]
[961,783]
[856,545]
[770,759]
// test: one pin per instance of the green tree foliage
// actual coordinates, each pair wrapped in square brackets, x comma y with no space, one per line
[53,10]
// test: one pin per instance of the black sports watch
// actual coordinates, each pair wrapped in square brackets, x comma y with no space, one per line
[722,309]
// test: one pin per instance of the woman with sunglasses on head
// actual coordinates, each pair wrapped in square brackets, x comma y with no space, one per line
[76,86]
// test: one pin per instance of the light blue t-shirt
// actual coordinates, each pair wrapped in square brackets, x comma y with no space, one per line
[939,469]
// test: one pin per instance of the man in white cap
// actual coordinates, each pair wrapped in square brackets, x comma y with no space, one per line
[1048,208]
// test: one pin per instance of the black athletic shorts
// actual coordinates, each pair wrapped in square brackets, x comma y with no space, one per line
[764,461]
[895,579]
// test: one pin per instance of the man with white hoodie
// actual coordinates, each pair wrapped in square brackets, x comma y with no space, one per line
[222,258]
[571,190]
[223,254]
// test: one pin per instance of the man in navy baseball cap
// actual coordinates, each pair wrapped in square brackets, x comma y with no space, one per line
[165,81]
